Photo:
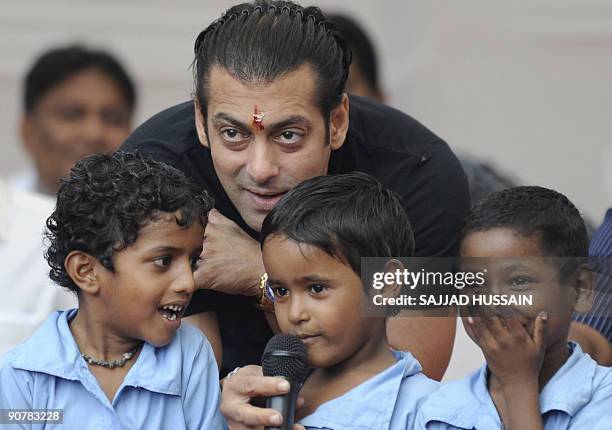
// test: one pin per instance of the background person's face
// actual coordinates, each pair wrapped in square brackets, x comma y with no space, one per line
[82,115]
[257,167]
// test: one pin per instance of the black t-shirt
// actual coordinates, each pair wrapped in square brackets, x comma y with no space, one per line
[382,141]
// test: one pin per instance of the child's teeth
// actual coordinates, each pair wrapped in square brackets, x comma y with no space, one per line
[175,308]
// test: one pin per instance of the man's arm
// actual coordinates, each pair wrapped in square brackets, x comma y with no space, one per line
[430,339]
[231,259]
[208,324]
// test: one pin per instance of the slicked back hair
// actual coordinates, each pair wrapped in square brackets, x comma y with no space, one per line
[261,41]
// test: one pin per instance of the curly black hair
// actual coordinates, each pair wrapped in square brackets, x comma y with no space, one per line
[105,202]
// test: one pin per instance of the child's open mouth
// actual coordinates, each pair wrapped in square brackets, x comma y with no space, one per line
[171,312]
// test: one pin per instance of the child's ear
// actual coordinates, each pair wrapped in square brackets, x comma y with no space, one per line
[81,267]
[392,290]
[585,292]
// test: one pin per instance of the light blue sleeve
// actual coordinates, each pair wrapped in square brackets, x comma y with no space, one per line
[202,395]
[15,390]
[605,423]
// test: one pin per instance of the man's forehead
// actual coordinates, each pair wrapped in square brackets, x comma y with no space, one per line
[290,94]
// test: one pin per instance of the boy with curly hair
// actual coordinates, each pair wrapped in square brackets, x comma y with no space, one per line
[125,237]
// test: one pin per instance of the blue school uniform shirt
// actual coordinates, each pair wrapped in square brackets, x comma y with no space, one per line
[388,400]
[173,387]
[578,396]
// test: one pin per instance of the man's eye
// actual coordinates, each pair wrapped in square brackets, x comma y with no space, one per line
[317,288]
[280,291]
[289,137]
[233,135]
[163,261]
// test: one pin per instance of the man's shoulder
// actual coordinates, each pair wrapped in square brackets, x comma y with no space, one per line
[167,136]
[384,128]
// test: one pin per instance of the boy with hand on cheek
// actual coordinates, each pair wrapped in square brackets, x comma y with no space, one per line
[312,244]
[530,241]
[125,237]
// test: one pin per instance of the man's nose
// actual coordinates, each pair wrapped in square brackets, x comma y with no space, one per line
[262,164]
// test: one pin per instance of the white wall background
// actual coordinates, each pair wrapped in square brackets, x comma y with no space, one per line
[526,84]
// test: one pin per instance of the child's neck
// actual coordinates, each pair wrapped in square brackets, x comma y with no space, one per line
[325,384]
[368,360]
[93,338]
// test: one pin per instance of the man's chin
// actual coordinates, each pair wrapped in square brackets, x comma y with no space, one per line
[255,221]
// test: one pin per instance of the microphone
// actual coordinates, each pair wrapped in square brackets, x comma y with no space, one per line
[285,356]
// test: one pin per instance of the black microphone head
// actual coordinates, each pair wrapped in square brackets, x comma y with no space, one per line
[286,356]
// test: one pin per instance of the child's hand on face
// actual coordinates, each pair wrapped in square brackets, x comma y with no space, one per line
[513,355]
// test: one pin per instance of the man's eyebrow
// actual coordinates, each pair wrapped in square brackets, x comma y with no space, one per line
[292,120]
[222,116]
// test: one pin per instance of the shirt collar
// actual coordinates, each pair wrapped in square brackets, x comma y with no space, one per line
[468,404]
[570,389]
[156,369]
[371,403]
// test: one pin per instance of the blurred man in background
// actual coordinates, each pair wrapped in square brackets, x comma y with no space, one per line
[76,102]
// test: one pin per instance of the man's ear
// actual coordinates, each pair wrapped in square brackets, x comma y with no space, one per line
[339,123]
[84,272]
[585,291]
[200,123]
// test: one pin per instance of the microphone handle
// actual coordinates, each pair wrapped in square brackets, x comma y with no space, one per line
[285,405]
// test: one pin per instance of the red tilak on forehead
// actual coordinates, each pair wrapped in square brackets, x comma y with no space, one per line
[258,119]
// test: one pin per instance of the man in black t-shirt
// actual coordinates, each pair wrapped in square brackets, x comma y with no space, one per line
[270,111]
